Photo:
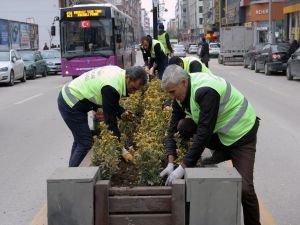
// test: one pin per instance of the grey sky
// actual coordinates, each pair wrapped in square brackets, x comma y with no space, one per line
[169,5]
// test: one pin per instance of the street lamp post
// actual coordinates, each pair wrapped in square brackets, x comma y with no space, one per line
[270,23]
[155,5]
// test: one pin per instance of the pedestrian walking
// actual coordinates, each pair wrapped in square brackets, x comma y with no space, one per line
[204,53]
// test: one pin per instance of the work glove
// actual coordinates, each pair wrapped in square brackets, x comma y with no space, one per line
[126,155]
[176,174]
[168,170]
[151,71]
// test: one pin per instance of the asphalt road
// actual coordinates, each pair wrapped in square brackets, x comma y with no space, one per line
[34,141]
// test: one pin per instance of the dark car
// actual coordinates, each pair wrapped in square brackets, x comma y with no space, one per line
[272,58]
[293,65]
[249,56]
[34,62]
[53,60]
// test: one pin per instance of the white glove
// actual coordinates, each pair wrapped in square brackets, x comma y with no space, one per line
[151,71]
[168,170]
[126,155]
[176,174]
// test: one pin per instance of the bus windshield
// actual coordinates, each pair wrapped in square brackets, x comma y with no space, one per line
[87,38]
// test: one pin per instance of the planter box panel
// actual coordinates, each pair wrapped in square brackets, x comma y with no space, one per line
[152,204]
[137,191]
[140,219]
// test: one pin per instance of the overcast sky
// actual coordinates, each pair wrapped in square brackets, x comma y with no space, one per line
[169,5]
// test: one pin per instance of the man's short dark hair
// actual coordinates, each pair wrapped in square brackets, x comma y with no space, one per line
[137,73]
[175,60]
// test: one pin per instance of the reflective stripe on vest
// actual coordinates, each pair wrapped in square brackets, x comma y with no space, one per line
[155,42]
[226,98]
[88,86]
[236,117]
[163,40]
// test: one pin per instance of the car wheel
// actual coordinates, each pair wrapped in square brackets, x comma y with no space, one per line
[44,73]
[252,65]
[34,74]
[267,71]
[288,73]
[11,79]
[245,64]
[255,67]
[220,60]
[23,79]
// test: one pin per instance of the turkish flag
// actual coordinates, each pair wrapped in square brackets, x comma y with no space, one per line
[85,24]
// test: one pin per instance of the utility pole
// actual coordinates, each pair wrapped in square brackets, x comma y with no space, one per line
[270,23]
[155,6]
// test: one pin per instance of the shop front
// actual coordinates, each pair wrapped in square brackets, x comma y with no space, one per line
[257,14]
[291,11]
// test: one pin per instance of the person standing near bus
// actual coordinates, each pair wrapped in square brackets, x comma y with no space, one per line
[99,88]
[156,51]
[190,64]
[163,37]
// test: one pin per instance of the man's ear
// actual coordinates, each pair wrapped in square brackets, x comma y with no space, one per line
[185,82]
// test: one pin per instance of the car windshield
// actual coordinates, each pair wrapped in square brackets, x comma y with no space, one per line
[4,56]
[26,55]
[97,39]
[282,47]
[214,45]
[50,54]
[178,47]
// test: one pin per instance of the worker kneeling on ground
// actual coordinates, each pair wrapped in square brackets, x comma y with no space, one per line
[99,88]
[219,117]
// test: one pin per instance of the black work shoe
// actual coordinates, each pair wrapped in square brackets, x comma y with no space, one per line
[217,157]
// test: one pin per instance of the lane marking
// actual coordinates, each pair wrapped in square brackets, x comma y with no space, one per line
[28,99]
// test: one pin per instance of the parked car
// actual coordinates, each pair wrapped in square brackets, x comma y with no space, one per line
[193,49]
[11,67]
[53,60]
[249,56]
[34,62]
[214,49]
[272,57]
[179,50]
[293,65]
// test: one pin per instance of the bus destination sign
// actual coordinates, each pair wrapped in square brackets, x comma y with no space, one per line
[84,13]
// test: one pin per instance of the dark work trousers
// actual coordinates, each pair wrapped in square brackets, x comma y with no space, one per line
[242,157]
[78,124]
[161,66]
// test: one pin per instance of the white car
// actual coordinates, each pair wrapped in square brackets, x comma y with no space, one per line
[193,49]
[214,49]
[179,50]
[11,67]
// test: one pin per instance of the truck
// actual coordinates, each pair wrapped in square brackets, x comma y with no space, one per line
[18,35]
[234,41]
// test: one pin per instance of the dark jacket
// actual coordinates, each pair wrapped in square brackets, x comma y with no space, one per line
[204,53]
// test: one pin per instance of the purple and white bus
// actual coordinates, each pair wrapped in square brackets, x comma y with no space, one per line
[95,35]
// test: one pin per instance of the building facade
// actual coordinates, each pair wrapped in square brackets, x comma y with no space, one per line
[145,22]
[291,12]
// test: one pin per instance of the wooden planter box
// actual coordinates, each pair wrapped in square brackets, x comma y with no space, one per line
[158,205]
[139,205]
